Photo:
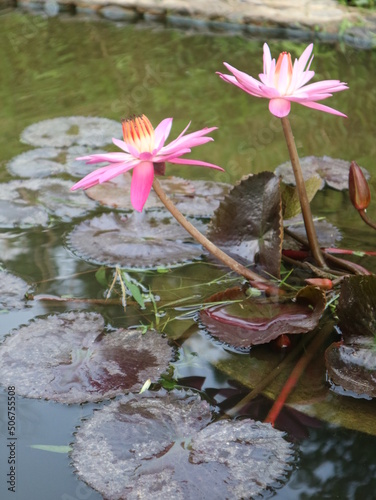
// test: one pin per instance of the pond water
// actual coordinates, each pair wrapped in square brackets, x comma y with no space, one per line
[72,66]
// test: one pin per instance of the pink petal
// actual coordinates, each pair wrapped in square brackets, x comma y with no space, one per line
[120,144]
[247,81]
[279,107]
[322,107]
[142,180]
[109,157]
[267,58]
[186,161]
[303,59]
[161,132]
[126,147]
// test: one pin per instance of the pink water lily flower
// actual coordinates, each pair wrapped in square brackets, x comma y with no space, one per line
[144,152]
[283,83]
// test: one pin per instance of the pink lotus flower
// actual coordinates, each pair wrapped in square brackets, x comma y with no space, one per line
[145,152]
[281,82]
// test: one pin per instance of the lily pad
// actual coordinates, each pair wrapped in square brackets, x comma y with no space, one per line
[160,446]
[248,222]
[194,198]
[327,234]
[351,364]
[134,241]
[33,202]
[249,321]
[332,171]
[49,161]
[12,292]
[69,130]
[70,358]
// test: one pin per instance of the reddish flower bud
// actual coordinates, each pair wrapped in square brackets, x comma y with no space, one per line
[323,283]
[360,194]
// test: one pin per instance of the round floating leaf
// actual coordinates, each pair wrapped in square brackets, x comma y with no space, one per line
[160,446]
[249,222]
[327,234]
[248,321]
[290,196]
[12,292]
[146,240]
[70,358]
[195,198]
[352,368]
[356,309]
[32,202]
[47,162]
[332,171]
[352,364]
[69,130]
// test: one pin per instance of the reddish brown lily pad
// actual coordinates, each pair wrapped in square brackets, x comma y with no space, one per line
[70,358]
[250,321]
[160,446]
[248,222]
[194,198]
[332,171]
[351,364]
[137,241]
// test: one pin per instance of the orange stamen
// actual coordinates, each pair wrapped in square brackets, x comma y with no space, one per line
[139,132]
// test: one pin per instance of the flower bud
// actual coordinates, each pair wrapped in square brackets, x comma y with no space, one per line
[360,194]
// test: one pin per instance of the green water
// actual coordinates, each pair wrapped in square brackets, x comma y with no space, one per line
[69,66]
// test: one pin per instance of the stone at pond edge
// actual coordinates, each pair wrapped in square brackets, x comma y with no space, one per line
[70,358]
[160,446]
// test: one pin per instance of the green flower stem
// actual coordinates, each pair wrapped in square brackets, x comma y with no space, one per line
[303,198]
[368,221]
[254,278]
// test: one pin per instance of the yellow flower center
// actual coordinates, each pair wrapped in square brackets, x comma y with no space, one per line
[139,132]
[278,66]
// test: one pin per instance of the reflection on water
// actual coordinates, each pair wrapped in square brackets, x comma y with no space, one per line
[71,67]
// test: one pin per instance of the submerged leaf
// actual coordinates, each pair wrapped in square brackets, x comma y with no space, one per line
[51,448]
[69,130]
[34,202]
[351,365]
[138,241]
[50,161]
[12,292]
[160,446]
[254,321]
[332,171]
[194,198]
[248,222]
[70,358]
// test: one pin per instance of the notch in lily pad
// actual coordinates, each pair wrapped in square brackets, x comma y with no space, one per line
[70,358]
[162,445]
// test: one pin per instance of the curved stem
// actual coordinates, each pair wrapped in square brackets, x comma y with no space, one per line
[213,249]
[368,221]
[303,198]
